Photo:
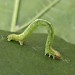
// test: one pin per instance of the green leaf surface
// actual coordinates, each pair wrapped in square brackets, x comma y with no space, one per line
[6,10]
[29,59]
[62,15]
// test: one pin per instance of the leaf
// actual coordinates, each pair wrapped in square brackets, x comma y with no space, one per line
[6,10]
[61,16]
[29,59]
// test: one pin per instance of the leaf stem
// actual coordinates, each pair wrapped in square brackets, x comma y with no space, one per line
[15,15]
[40,14]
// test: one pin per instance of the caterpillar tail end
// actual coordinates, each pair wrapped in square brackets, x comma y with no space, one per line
[53,53]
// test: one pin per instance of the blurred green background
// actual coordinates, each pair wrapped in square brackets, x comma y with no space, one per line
[62,16]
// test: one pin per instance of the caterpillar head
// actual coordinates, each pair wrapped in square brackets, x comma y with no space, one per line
[11,37]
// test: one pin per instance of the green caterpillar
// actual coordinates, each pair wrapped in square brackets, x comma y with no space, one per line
[48,47]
